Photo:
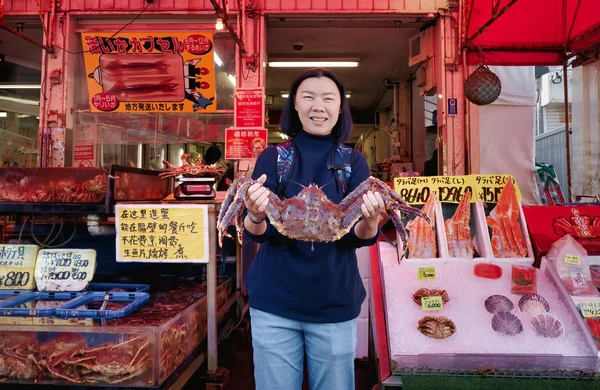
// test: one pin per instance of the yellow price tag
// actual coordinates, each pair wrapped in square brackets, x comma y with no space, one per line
[426,273]
[432,303]
[572,259]
[16,278]
[590,309]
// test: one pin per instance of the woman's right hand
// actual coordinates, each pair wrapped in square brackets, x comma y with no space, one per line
[257,199]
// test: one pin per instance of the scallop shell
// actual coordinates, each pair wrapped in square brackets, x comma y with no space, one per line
[497,303]
[507,323]
[547,325]
[533,304]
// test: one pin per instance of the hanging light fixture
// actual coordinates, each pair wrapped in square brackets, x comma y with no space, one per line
[219,24]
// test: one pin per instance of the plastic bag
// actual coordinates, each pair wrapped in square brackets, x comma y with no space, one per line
[524,280]
[571,263]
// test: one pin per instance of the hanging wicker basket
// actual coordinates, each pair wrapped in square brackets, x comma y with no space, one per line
[482,86]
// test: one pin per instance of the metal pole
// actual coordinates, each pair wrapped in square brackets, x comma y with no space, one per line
[211,294]
[567,130]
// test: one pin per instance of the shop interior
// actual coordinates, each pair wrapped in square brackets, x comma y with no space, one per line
[389,100]
[20,82]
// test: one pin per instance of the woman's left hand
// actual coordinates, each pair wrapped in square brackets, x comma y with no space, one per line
[372,205]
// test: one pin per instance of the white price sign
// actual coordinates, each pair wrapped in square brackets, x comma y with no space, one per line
[65,269]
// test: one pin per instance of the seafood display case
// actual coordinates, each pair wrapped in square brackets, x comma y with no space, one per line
[471,303]
[76,190]
[141,350]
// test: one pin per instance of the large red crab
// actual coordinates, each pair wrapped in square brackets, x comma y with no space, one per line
[310,215]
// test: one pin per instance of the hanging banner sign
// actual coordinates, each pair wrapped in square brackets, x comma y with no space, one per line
[168,72]
[450,189]
[249,107]
[152,233]
[17,266]
[244,143]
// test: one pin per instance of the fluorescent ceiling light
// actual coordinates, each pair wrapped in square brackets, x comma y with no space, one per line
[231,78]
[313,64]
[23,116]
[19,100]
[3,114]
[20,86]
[218,59]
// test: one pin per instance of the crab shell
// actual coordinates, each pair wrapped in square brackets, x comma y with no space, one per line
[436,327]
[425,292]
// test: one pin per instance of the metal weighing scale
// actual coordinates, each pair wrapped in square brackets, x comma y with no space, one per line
[195,188]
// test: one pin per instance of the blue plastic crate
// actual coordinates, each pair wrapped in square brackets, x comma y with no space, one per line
[6,294]
[104,287]
[13,307]
[70,309]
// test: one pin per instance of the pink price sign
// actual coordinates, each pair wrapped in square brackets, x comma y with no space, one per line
[244,143]
[249,108]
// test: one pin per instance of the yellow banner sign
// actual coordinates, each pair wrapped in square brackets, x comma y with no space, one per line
[17,265]
[450,189]
[168,72]
[162,233]
[489,187]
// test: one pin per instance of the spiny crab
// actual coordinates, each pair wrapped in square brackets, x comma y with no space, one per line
[310,215]
[197,169]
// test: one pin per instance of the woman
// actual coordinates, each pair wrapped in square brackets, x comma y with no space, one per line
[306,298]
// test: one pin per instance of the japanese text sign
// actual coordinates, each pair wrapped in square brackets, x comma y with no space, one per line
[450,189]
[169,72]
[590,309]
[244,143]
[17,265]
[65,269]
[162,233]
[249,107]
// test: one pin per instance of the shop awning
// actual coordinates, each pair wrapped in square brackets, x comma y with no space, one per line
[531,32]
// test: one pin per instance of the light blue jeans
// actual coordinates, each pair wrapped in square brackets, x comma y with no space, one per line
[279,344]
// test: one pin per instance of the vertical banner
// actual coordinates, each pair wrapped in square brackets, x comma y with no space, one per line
[249,108]
[168,72]
[243,144]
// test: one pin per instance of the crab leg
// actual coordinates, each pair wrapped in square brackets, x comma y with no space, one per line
[229,199]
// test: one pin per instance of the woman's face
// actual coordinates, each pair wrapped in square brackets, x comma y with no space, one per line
[318,104]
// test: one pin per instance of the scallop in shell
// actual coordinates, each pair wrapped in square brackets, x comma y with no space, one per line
[533,304]
[497,303]
[547,325]
[507,323]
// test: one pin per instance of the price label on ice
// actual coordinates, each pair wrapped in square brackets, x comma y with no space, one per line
[432,303]
[590,309]
[17,264]
[426,273]
[572,259]
[65,269]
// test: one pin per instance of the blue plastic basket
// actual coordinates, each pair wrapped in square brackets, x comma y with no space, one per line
[70,309]
[12,307]
[105,287]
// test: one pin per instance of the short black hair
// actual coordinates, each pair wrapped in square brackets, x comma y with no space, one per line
[290,121]
[212,155]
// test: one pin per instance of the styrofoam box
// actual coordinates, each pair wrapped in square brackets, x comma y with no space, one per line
[363,257]
[481,239]
[364,308]
[362,343]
